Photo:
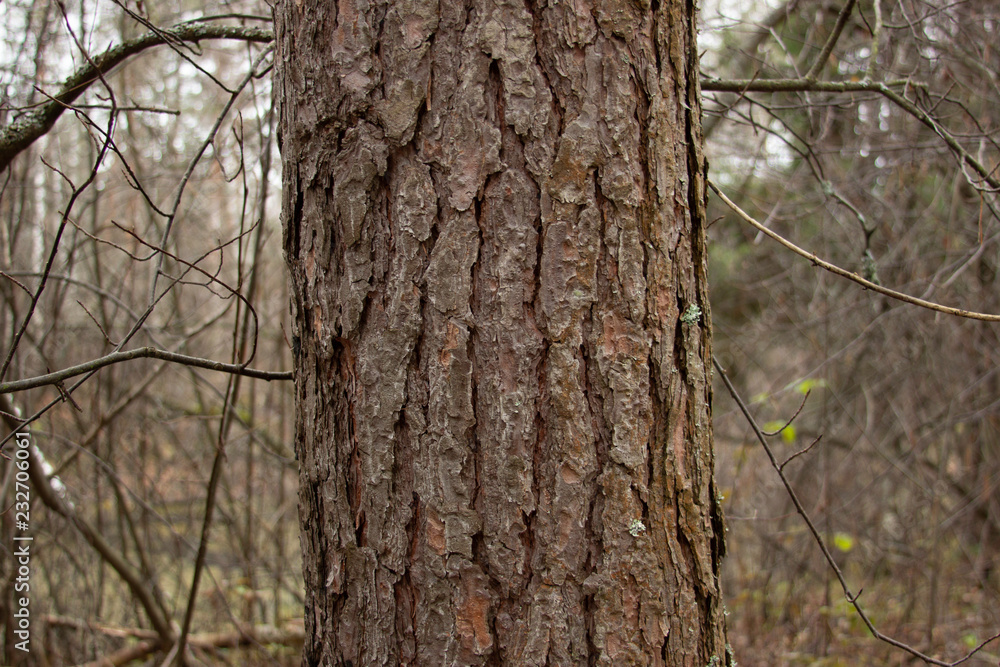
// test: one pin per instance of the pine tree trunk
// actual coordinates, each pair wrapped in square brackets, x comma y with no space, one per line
[494,225]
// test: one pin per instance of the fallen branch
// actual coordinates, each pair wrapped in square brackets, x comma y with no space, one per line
[148,645]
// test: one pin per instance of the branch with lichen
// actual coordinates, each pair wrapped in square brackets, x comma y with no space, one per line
[24,131]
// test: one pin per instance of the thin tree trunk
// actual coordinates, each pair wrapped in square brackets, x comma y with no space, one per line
[494,224]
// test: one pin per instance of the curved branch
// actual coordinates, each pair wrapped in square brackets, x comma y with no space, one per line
[23,132]
[844,273]
[141,353]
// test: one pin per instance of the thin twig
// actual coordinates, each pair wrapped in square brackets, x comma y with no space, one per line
[876,36]
[791,419]
[172,218]
[885,89]
[800,453]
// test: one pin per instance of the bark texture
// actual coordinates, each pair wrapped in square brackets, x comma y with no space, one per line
[494,225]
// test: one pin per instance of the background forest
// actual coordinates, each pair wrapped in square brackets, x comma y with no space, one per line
[150,214]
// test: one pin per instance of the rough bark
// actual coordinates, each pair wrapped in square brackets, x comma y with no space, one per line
[494,225]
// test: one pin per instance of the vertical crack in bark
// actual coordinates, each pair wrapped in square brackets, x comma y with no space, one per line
[544,69]
[405,592]
[473,357]
[656,14]
[593,537]
[293,225]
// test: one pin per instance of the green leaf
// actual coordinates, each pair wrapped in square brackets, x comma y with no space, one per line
[806,386]
[788,433]
[843,542]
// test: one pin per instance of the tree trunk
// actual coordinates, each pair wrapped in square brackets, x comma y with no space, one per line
[494,224]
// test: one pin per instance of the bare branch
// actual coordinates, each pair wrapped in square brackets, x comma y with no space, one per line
[20,134]
[158,617]
[798,85]
[884,89]
[191,166]
[764,30]
[844,273]
[140,353]
[799,453]
[876,36]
